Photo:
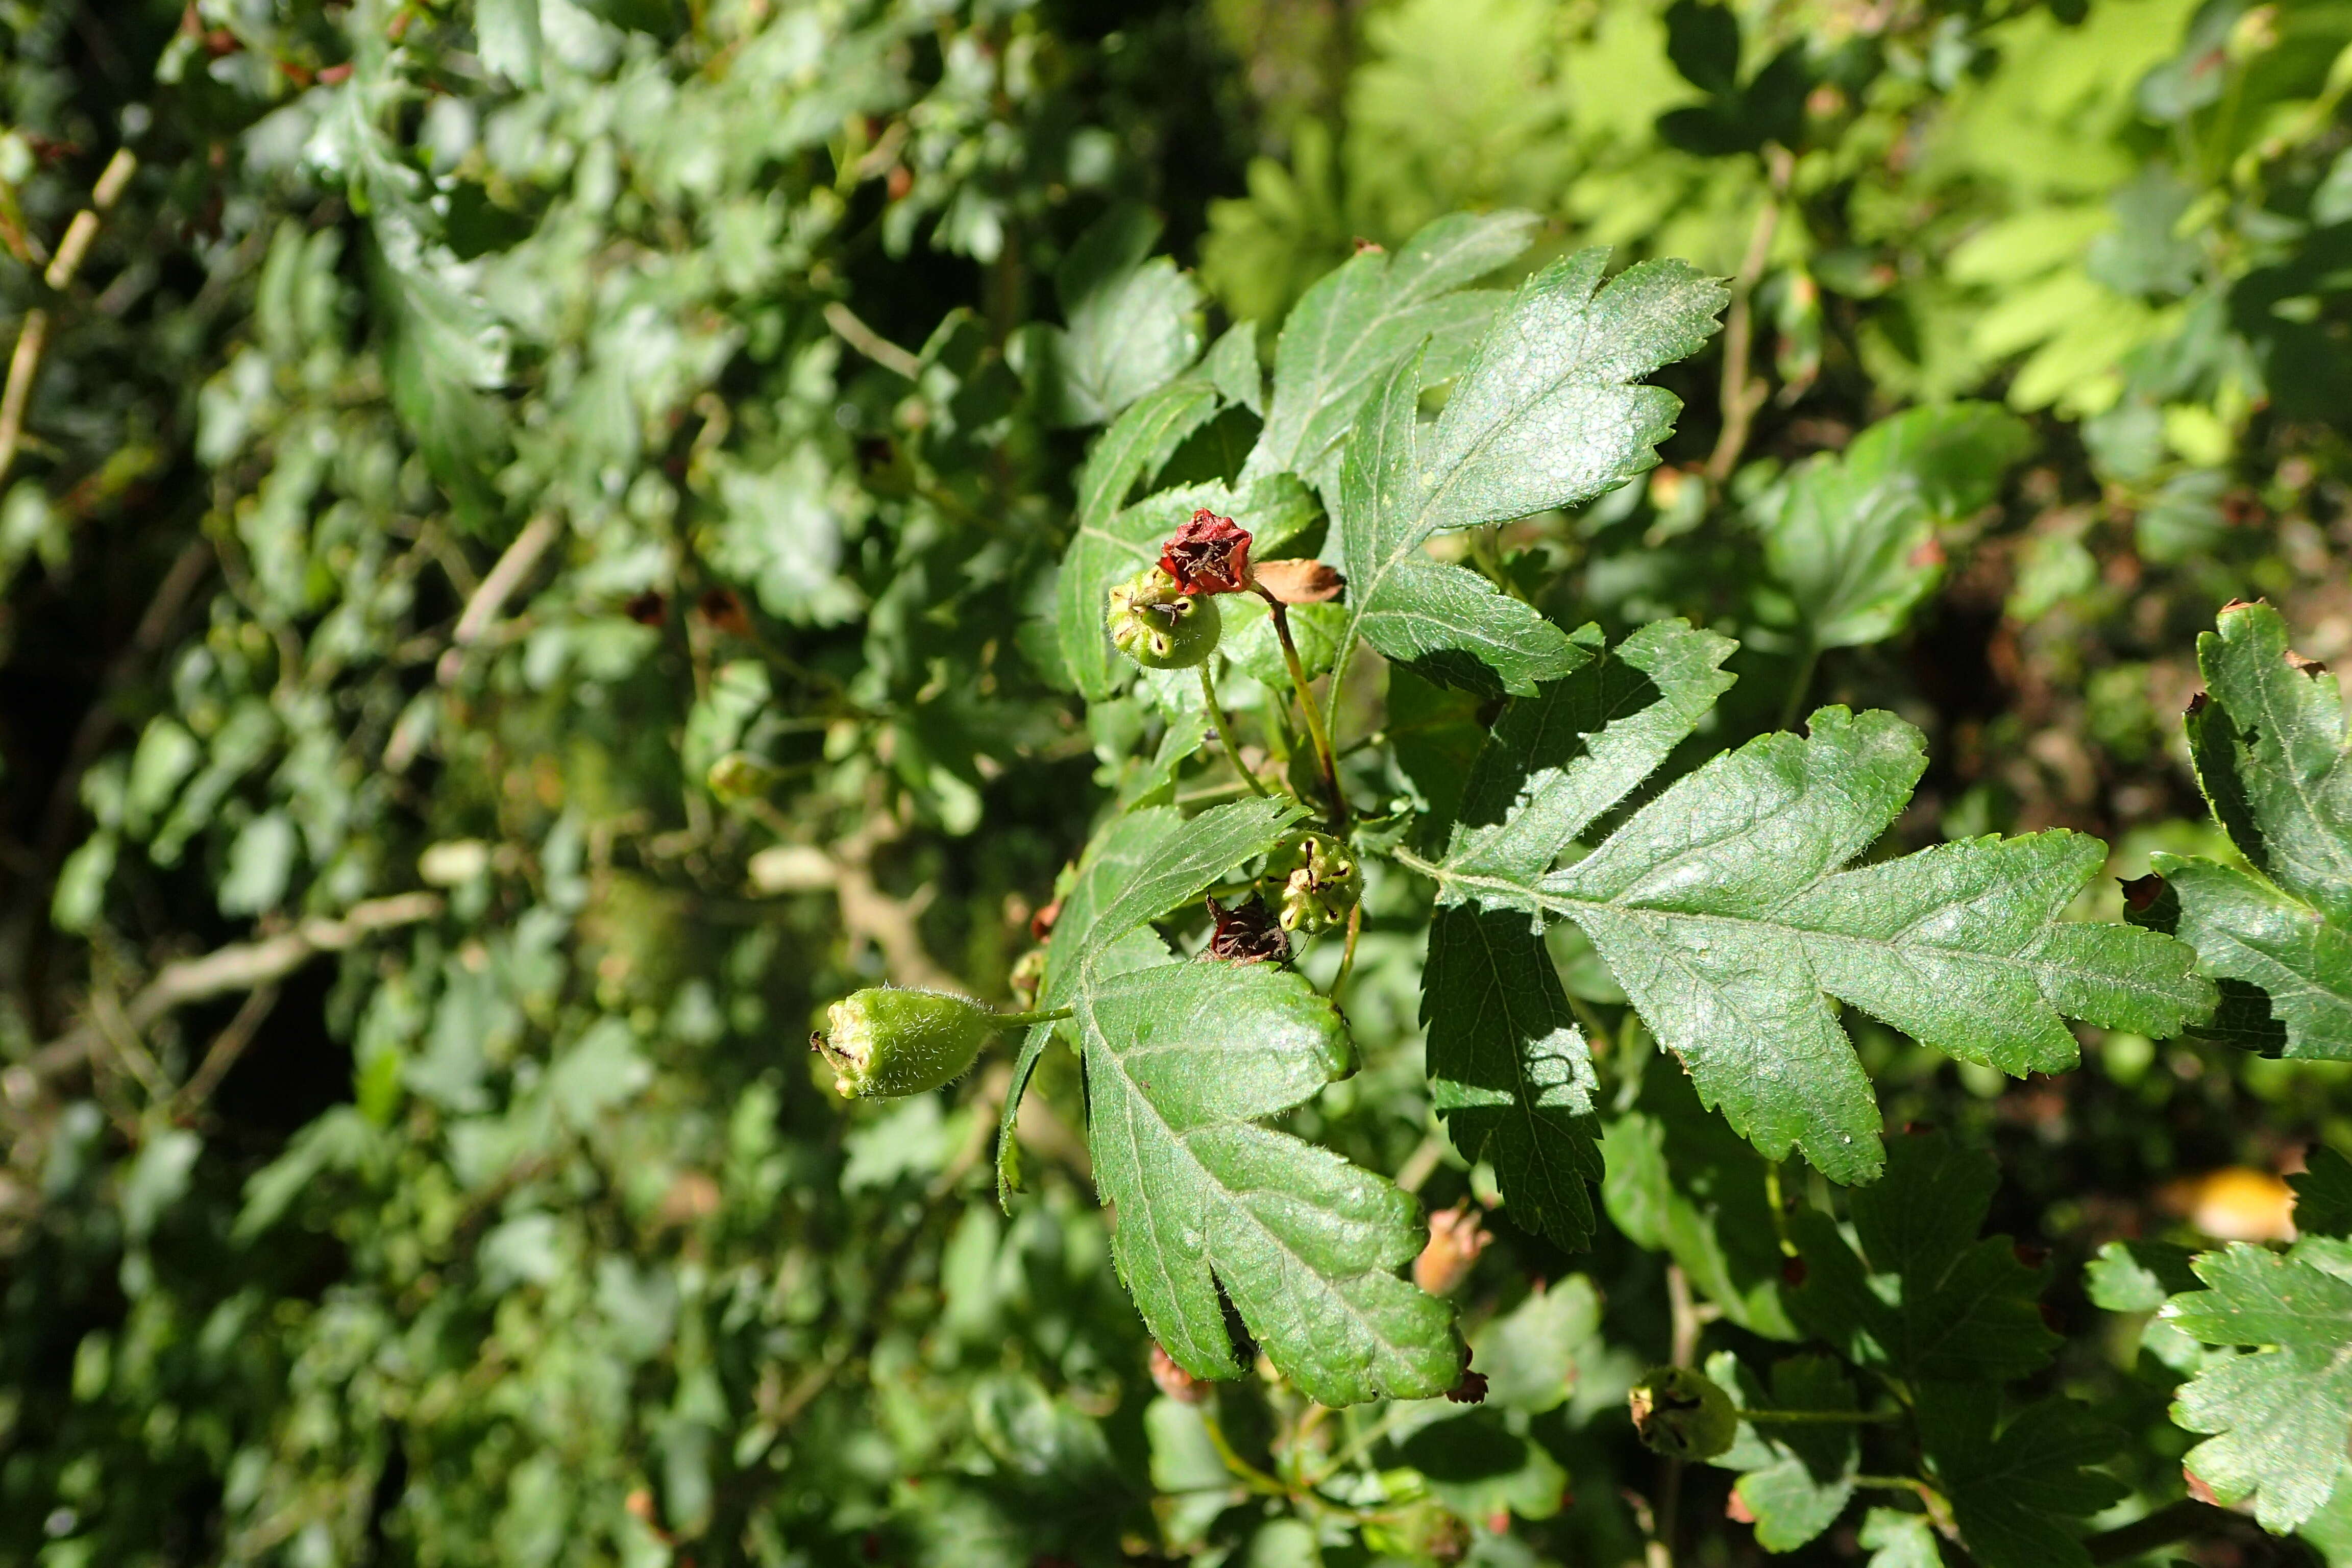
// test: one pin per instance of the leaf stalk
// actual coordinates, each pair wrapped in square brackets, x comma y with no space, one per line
[1315,729]
[1225,728]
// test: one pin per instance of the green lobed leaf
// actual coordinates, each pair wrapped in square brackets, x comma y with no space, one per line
[1898,1539]
[2281,1414]
[1133,322]
[1924,1299]
[1509,1072]
[1854,536]
[1547,414]
[1558,760]
[1720,909]
[2323,1194]
[1447,621]
[1353,326]
[1798,1478]
[1139,444]
[1182,1060]
[1145,864]
[2017,1491]
[2246,929]
[2269,742]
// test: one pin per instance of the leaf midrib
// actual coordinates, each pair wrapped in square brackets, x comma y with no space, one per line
[1567,905]
[1394,307]
[1136,1094]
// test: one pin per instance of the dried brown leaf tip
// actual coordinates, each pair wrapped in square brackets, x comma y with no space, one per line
[1209,554]
[1174,1382]
[1247,933]
[1455,1239]
[1299,582]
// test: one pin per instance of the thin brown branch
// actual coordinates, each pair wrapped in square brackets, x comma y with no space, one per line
[1742,395]
[242,967]
[227,1048]
[83,230]
[24,363]
[869,342]
[496,589]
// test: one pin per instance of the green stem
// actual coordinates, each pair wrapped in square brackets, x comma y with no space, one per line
[1803,686]
[1821,1417]
[1314,728]
[1023,1020]
[1348,953]
[1249,1475]
[2165,1525]
[1224,729]
[1896,1484]
[1779,1207]
[1358,1445]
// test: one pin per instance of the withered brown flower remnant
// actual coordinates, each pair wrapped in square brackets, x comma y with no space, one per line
[1247,933]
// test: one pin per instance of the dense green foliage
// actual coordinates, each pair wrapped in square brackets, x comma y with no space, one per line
[546,542]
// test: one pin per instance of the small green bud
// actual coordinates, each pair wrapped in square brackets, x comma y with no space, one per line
[886,1041]
[1682,1412]
[739,775]
[1160,626]
[1319,880]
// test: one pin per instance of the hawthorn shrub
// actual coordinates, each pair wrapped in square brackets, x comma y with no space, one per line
[735,832]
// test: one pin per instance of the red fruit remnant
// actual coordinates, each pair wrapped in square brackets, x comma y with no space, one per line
[1209,554]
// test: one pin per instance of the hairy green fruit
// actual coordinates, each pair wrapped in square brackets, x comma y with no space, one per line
[887,1042]
[1318,881]
[1682,1412]
[1160,626]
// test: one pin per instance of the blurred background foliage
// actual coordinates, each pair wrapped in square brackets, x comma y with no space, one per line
[527,541]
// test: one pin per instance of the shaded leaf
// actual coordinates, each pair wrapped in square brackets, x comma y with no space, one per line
[1720,910]
[1546,414]
[1799,1477]
[1352,327]
[2281,1415]
[1854,536]
[2019,1493]
[1924,1299]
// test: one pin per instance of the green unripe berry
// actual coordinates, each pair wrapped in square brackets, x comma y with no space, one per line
[885,1041]
[1159,625]
[1318,881]
[1682,1412]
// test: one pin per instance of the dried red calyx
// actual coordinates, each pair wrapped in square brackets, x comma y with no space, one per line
[1209,554]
